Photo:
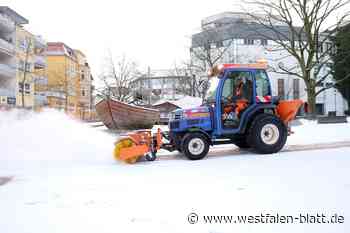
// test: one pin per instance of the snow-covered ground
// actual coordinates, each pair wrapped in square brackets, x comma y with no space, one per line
[65,180]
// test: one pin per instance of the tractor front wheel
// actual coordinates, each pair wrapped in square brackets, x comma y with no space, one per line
[267,134]
[195,146]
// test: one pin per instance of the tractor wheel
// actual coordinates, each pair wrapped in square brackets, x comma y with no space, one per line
[195,146]
[267,134]
[151,156]
[126,142]
[242,143]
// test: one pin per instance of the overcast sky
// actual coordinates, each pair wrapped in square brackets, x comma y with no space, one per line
[155,33]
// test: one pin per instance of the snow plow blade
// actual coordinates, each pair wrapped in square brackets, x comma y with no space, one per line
[137,144]
[288,109]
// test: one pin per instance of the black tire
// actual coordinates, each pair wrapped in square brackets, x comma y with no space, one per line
[267,134]
[242,143]
[189,145]
[151,156]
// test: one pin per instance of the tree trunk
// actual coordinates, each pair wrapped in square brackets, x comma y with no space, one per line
[311,102]
[22,95]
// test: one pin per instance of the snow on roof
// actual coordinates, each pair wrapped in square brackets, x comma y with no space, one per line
[185,102]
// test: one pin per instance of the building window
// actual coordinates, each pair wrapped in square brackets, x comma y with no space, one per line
[20,87]
[21,65]
[207,46]
[319,84]
[296,89]
[22,44]
[82,77]
[248,41]
[27,88]
[330,49]
[83,93]
[263,42]
[28,67]
[320,47]
[280,88]
[219,44]
[329,85]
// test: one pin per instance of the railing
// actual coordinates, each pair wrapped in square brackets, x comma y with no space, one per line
[56,94]
[7,47]
[6,24]
[40,80]
[40,100]
[7,70]
[40,61]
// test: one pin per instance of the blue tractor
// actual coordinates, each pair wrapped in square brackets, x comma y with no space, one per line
[238,109]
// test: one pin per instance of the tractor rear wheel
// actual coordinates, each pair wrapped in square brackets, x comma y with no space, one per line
[241,142]
[267,134]
[195,146]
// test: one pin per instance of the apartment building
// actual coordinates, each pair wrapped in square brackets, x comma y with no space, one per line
[85,104]
[10,24]
[235,33]
[22,62]
[62,71]
[69,80]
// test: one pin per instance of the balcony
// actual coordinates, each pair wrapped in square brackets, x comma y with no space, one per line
[40,62]
[7,71]
[41,80]
[40,99]
[7,92]
[6,24]
[6,47]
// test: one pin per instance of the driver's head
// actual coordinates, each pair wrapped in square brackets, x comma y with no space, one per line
[239,81]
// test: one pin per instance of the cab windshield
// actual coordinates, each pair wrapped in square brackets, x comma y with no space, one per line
[211,92]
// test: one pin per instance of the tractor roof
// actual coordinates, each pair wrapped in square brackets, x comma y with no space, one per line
[218,69]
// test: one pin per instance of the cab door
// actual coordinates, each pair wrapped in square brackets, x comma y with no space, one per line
[234,97]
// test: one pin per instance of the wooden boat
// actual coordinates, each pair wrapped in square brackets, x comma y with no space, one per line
[118,115]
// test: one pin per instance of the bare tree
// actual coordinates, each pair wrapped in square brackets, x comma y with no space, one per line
[207,51]
[309,28]
[193,79]
[118,77]
[28,48]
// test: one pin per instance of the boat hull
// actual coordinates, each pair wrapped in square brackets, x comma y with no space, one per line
[118,115]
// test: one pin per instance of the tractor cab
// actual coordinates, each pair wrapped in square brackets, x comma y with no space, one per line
[234,91]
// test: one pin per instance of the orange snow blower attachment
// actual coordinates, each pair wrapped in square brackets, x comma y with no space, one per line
[136,145]
[287,109]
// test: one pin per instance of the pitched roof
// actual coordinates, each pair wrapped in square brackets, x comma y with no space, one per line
[59,48]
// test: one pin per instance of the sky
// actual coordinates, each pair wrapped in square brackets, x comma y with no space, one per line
[153,33]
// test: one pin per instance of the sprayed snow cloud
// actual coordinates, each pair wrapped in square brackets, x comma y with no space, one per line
[51,136]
